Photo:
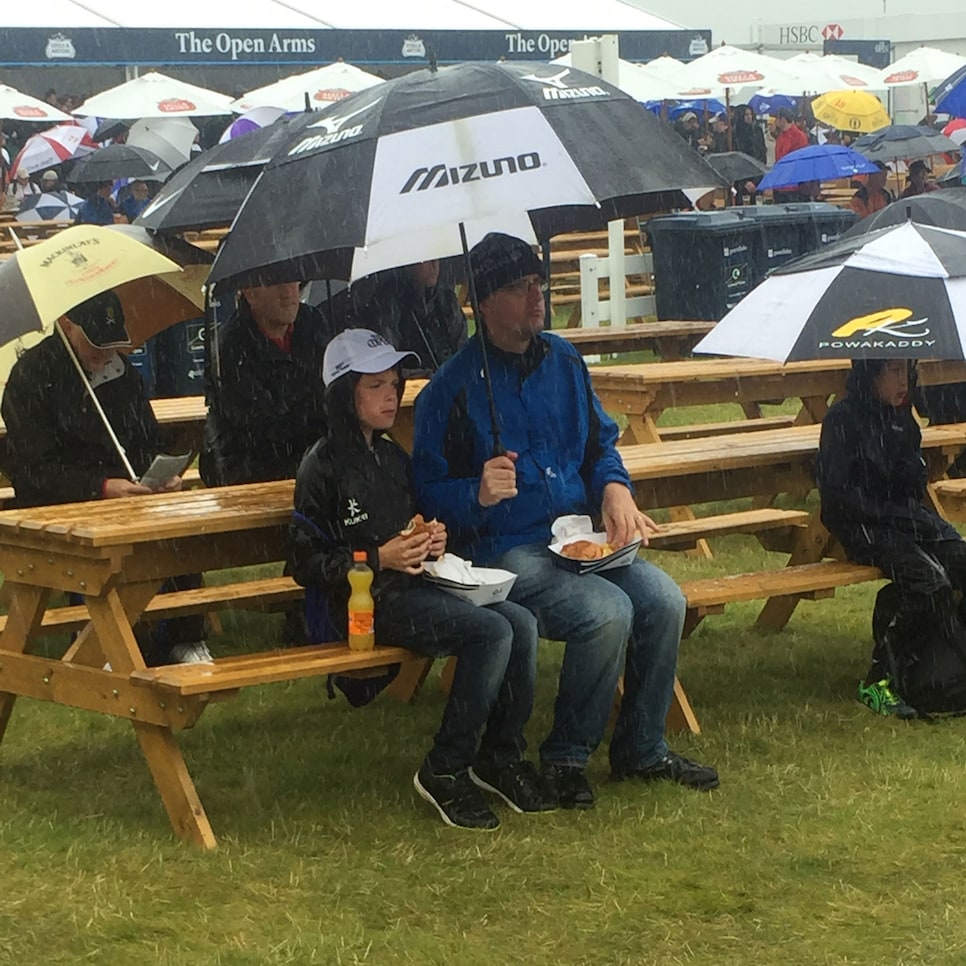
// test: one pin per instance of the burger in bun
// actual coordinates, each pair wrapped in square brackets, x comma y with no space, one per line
[418,526]
[586,550]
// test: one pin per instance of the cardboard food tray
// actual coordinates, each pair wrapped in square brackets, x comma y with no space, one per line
[493,588]
[619,558]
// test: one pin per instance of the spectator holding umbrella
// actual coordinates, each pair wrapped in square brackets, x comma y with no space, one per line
[790,137]
[98,209]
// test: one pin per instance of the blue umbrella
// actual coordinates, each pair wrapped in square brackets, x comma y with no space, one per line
[818,162]
[951,94]
[763,104]
[678,108]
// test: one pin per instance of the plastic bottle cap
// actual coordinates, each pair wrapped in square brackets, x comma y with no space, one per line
[359,556]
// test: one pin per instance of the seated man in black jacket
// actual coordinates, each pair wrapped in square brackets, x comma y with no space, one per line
[60,450]
[267,407]
[872,481]
[408,306]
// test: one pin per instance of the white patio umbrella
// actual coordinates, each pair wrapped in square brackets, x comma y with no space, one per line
[726,69]
[17,106]
[170,138]
[322,86]
[819,75]
[641,84]
[664,66]
[924,65]
[155,95]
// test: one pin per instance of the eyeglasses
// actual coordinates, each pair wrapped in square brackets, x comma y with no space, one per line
[522,288]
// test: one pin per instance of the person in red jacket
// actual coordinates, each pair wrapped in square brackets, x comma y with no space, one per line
[790,137]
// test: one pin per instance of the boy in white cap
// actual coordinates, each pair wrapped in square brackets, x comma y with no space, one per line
[354,492]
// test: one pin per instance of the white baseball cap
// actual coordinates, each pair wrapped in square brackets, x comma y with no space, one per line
[359,350]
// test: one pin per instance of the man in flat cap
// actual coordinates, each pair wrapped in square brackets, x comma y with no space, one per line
[59,450]
[561,459]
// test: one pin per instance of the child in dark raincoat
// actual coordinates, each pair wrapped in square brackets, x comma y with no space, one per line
[872,481]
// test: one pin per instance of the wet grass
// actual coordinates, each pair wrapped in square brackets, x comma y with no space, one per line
[836,837]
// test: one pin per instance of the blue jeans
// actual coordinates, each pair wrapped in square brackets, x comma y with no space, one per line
[627,619]
[496,647]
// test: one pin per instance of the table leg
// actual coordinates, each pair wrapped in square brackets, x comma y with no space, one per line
[27,606]
[87,648]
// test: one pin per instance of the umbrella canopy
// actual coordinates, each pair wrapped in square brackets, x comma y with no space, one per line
[736,166]
[119,161]
[40,283]
[170,138]
[903,141]
[321,86]
[208,191]
[951,94]
[155,95]
[16,106]
[768,101]
[940,209]
[730,68]
[252,120]
[663,66]
[817,162]
[50,206]
[924,65]
[955,130]
[53,147]
[850,111]
[643,85]
[820,74]
[895,293]
[405,164]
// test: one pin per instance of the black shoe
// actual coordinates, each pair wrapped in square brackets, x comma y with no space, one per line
[569,785]
[673,768]
[517,783]
[459,802]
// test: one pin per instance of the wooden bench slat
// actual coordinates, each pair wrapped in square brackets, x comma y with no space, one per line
[688,532]
[231,673]
[694,430]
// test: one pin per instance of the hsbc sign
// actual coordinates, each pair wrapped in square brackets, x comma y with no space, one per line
[800,36]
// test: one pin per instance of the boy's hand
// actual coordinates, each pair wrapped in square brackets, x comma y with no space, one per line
[498,481]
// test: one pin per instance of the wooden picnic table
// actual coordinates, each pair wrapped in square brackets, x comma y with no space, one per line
[669,339]
[642,392]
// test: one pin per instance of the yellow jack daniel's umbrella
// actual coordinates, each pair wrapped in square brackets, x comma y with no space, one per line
[41,283]
[853,110]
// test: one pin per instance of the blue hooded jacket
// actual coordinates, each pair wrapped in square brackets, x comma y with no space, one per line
[549,415]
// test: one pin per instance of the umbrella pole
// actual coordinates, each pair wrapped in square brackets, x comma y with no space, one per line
[97,403]
[498,449]
[212,356]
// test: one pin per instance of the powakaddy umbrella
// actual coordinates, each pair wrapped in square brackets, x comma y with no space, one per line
[50,206]
[850,110]
[119,161]
[388,176]
[896,293]
[17,106]
[905,141]
[817,162]
[736,166]
[208,191]
[940,209]
[52,147]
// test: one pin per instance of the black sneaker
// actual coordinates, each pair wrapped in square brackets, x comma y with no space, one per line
[517,783]
[569,785]
[673,768]
[459,802]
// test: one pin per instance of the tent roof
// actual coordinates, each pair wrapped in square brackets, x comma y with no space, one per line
[307,14]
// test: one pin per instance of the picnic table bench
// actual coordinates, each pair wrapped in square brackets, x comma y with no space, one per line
[668,339]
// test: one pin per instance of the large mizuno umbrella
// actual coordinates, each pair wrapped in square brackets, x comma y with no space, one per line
[896,293]
[208,191]
[389,176]
[817,162]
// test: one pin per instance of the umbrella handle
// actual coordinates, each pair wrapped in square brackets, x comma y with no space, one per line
[498,448]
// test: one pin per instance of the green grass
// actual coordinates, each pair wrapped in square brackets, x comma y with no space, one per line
[836,836]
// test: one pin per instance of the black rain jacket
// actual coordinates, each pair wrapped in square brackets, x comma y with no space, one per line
[59,449]
[269,407]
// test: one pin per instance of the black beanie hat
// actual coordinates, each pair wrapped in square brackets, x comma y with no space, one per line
[500,260]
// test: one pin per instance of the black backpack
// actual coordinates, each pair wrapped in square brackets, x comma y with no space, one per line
[926,654]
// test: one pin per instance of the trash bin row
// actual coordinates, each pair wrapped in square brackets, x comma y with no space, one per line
[705,262]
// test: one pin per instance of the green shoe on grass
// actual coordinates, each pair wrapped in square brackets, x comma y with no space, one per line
[880,698]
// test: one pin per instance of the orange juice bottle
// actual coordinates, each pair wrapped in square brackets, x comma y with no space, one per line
[362,635]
